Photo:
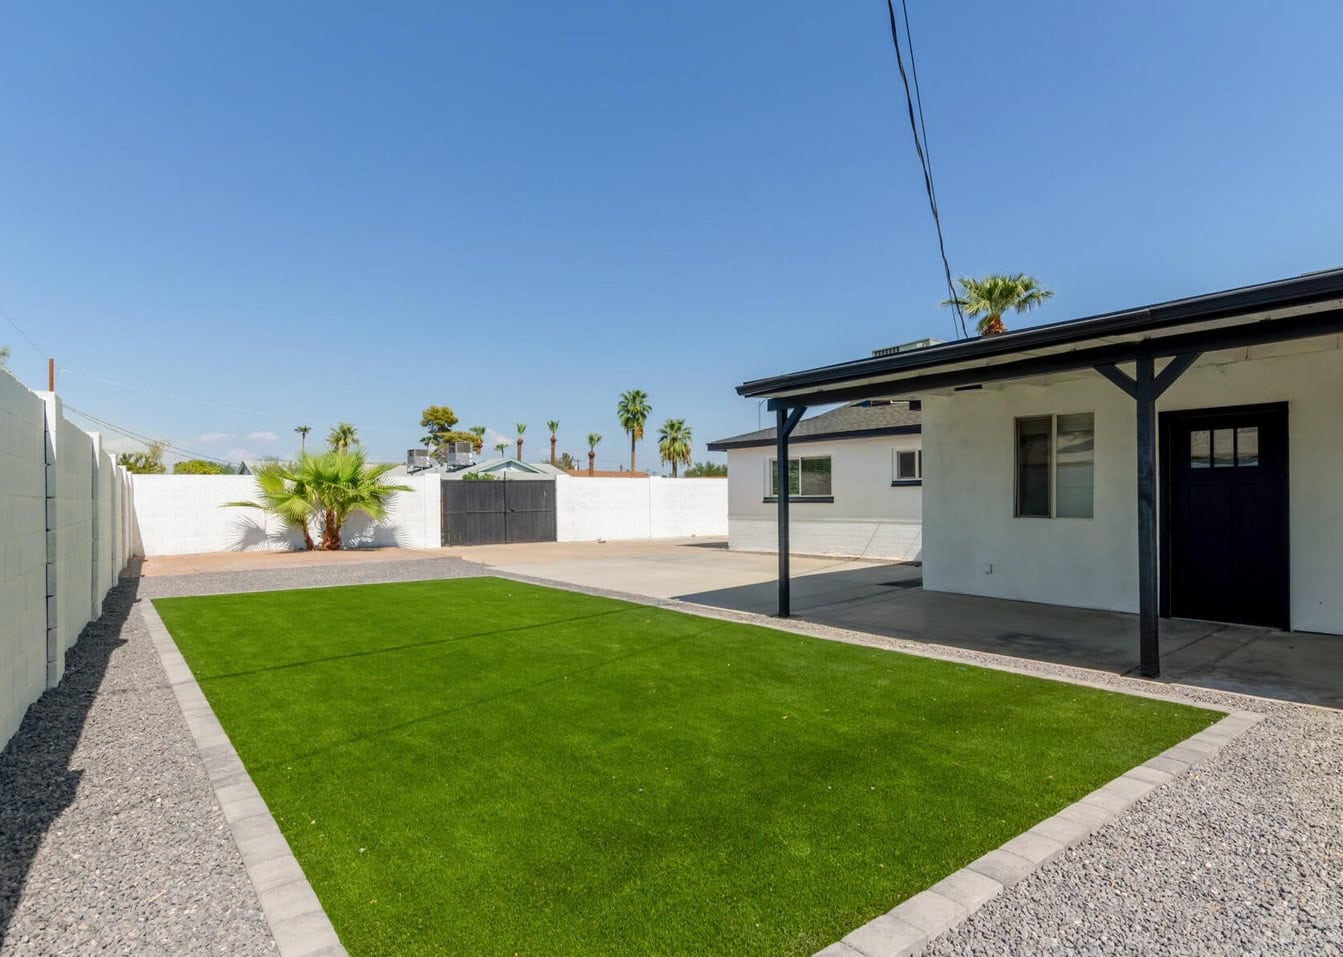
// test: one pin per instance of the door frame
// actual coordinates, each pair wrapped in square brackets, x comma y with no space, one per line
[1168,423]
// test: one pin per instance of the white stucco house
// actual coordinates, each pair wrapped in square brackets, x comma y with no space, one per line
[855,480]
[1175,460]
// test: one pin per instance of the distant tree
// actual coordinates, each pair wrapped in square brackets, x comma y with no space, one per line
[706,470]
[993,295]
[500,446]
[633,411]
[554,426]
[303,431]
[4,355]
[675,443]
[478,477]
[567,462]
[439,420]
[149,462]
[342,437]
[522,427]
[593,439]
[202,467]
[479,432]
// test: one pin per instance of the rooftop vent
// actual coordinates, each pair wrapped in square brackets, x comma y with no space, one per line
[905,347]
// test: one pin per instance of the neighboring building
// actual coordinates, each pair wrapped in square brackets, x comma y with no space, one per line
[1176,460]
[506,468]
[855,483]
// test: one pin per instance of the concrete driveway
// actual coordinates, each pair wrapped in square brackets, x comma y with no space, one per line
[887,599]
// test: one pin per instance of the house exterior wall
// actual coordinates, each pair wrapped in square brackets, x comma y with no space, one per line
[975,545]
[868,518]
[588,509]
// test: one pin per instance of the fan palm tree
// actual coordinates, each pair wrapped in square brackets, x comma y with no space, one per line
[479,432]
[633,411]
[342,437]
[500,446]
[993,295]
[554,426]
[302,431]
[341,483]
[675,443]
[286,496]
[522,427]
[593,439]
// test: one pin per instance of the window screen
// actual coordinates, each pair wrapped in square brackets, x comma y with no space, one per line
[908,465]
[807,476]
[1075,465]
[1033,442]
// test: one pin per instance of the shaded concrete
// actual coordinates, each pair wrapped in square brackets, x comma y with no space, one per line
[886,599]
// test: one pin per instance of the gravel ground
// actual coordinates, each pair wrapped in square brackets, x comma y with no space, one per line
[111,841]
[117,845]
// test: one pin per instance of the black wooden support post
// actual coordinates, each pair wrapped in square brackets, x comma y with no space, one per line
[786,420]
[1145,389]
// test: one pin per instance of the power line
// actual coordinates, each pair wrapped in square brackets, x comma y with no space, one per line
[924,162]
[143,438]
[10,319]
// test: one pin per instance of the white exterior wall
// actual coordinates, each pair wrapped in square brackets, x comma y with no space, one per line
[56,564]
[588,509]
[1092,563]
[188,514]
[868,518]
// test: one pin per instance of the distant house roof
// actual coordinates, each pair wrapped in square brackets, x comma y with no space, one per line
[600,473]
[509,465]
[867,418]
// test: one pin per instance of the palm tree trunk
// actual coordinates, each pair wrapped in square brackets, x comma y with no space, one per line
[307,538]
[592,457]
[631,451]
[552,451]
[330,532]
[519,448]
[673,468]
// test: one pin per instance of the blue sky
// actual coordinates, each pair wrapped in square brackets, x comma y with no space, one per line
[273,214]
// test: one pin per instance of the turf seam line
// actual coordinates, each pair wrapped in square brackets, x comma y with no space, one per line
[298,924]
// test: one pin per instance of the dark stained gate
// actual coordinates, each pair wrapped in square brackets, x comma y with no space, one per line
[1225,541]
[498,512]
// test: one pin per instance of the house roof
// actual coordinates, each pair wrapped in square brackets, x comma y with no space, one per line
[1296,308]
[862,419]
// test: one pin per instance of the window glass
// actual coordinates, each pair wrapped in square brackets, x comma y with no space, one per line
[1247,446]
[815,476]
[1075,465]
[1223,448]
[907,465]
[1200,449]
[1033,441]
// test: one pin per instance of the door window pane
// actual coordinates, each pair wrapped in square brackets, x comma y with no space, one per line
[815,476]
[1075,465]
[1033,441]
[1200,449]
[1223,448]
[1247,446]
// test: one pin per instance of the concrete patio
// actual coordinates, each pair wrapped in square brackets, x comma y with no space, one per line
[887,599]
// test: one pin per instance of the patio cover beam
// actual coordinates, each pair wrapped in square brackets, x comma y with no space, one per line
[787,420]
[1145,388]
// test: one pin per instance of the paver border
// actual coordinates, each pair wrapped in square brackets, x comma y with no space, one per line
[298,924]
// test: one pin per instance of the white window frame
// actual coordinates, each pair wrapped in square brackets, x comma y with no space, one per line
[896,478]
[1053,466]
[771,472]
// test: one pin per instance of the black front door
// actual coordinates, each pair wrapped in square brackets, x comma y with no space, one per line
[1225,515]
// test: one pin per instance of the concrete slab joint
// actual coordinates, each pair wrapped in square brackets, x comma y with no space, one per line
[908,927]
[297,921]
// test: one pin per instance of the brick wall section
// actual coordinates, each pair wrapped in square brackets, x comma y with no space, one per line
[55,565]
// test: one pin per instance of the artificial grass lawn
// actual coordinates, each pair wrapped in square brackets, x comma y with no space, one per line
[480,766]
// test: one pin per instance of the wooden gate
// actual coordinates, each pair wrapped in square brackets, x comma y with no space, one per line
[498,512]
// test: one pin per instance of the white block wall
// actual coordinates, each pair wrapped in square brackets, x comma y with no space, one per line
[588,509]
[56,564]
[188,514]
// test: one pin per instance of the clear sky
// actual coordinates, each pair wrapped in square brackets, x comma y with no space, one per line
[281,213]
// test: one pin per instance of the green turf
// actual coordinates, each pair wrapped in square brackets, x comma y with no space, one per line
[480,766]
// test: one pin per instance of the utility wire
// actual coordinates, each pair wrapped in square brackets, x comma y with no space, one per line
[924,163]
[10,319]
[143,438]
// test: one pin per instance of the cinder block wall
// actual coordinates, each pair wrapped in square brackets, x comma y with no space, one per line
[587,509]
[64,513]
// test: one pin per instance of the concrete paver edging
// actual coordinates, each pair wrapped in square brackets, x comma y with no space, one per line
[295,915]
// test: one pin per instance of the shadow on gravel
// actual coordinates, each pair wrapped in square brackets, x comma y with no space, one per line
[36,782]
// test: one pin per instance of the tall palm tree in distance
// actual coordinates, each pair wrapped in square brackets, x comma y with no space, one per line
[593,439]
[554,426]
[522,427]
[500,446]
[342,436]
[303,431]
[479,432]
[993,295]
[674,443]
[633,411]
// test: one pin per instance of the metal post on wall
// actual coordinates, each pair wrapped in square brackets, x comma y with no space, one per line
[786,420]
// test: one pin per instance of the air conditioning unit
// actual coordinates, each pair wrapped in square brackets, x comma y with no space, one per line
[459,453]
[417,459]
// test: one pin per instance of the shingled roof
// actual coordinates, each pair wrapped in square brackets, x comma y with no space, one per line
[857,420]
